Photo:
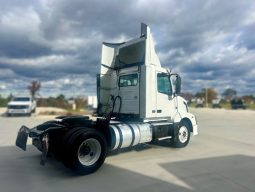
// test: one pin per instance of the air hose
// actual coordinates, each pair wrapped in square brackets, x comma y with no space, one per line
[109,116]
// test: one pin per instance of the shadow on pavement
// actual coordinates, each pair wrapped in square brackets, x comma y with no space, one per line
[21,171]
[226,173]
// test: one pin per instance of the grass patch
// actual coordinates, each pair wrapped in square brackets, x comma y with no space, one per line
[251,106]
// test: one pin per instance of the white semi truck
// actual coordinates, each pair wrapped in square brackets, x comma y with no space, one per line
[138,103]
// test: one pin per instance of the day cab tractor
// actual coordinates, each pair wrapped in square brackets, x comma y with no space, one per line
[138,103]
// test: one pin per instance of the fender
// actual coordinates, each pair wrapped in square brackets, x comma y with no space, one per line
[186,116]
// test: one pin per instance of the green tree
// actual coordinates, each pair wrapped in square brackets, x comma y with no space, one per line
[3,101]
[210,93]
[229,93]
[61,97]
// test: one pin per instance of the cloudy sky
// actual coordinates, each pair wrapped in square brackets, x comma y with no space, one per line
[210,43]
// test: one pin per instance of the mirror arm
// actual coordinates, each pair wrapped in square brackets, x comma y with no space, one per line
[174,74]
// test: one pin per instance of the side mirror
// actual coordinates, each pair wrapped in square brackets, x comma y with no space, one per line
[178,84]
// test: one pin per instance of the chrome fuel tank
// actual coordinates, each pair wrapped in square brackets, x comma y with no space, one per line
[128,135]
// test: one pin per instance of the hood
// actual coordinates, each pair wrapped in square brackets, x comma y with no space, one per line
[182,99]
[19,103]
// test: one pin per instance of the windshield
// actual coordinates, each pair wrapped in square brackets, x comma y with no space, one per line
[21,99]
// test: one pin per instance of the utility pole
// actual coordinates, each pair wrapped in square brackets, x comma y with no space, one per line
[206,97]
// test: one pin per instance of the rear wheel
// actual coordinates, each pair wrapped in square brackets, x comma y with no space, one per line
[89,152]
[85,151]
[183,135]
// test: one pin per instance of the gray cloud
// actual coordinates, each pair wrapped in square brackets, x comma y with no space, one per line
[210,43]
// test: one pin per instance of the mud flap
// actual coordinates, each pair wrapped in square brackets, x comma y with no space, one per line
[21,140]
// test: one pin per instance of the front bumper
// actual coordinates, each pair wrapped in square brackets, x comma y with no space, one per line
[18,112]
[193,121]
[195,130]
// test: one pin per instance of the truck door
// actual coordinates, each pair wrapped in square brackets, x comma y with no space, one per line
[164,96]
[129,93]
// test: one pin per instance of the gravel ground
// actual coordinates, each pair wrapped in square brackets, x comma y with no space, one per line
[220,158]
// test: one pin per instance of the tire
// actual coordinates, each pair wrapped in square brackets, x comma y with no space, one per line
[183,135]
[85,151]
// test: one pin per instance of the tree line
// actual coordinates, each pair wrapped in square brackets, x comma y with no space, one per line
[210,94]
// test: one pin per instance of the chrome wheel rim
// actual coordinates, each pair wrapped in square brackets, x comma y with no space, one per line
[183,134]
[89,152]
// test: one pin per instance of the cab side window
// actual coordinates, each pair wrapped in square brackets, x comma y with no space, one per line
[164,84]
[128,80]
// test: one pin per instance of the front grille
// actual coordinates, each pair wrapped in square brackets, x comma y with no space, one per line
[17,107]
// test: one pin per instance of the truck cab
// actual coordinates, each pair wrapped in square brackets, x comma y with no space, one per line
[145,91]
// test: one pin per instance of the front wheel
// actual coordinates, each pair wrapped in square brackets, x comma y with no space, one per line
[85,151]
[182,136]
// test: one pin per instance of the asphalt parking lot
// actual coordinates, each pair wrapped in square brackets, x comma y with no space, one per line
[220,158]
